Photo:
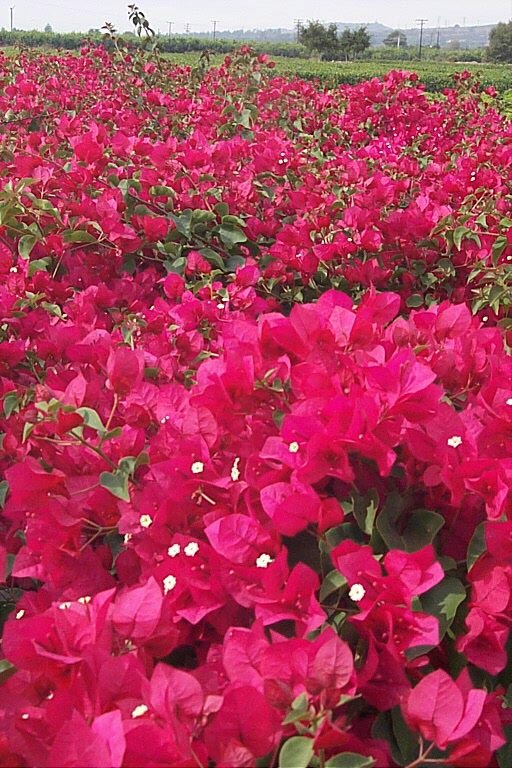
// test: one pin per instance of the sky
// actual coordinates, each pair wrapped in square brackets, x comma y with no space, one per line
[81,15]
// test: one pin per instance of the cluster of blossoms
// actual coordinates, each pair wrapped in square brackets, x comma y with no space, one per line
[254,506]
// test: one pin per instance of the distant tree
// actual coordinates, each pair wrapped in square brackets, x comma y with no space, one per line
[361,41]
[48,28]
[500,43]
[320,40]
[392,40]
[354,42]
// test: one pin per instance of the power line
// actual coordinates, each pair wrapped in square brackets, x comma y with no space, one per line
[422,23]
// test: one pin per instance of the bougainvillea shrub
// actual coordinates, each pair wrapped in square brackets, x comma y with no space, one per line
[256,425]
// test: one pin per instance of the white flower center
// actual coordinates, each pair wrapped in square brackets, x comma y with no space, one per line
[174,550]
[146,521]
[65,606]
[20,614]
[454,441]
[139,710]
[294,447]
[235,472]
[509,401]
[169,583]
[357,592]
[127,537]
[264,560]
[191,549]
[197,467]
[84,600]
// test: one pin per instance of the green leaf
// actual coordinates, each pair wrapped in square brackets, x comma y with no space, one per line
[25,245]
[443,601]
[184,223]
[213,258]
[458,236]
[116,483]
[233,220]
[78,236]
[416,300]
[4,489]
[6,670]
[365,511]
[477,546]
[504,754]
[333,581]
[299,709]
[349,760]
[91,419]
[421,527]
[231,235]
[296,752]
[11,404]
[391,727]
[39,265]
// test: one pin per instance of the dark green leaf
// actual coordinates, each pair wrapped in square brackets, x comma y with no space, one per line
[4,488]
[6,670]
[476,546]
[443,601]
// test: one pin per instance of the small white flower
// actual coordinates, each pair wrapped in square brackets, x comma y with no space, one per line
[264,560]
[357,592]
[294,447]
[191,549]
[127,537]
[197,467]
[24,716]
[169,583]
[174,550]
[221,306]
[65,606]
[454,441]
[139,710]
[13,269]
[485,319]
[20,614]
[235,472]
[146,521]
[84,600]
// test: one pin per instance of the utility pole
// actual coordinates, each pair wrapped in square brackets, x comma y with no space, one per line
[421,22]
[187,28]
[298,27]
[214,29]
[170,23]
[11,10]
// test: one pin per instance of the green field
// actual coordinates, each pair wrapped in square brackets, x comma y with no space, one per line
[434,74]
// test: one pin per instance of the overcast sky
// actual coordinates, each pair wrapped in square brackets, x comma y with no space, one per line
[235,14]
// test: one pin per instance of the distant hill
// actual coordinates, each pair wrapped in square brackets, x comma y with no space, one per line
[456,36]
